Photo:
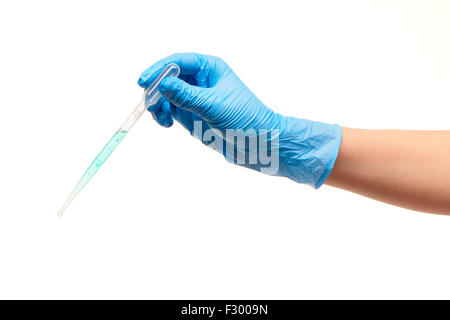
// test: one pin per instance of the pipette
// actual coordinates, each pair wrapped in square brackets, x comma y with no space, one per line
[150,97]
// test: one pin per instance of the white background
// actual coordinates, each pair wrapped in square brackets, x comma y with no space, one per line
[168,218]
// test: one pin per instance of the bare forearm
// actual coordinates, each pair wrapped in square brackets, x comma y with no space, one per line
[410,169]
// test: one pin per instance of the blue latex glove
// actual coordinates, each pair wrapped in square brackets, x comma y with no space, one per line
[209,95]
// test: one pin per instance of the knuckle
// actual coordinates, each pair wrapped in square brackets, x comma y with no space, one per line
[183,96]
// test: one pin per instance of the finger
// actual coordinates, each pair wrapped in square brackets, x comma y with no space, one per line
[155,107]
[166,113]
[183,95]
[163,116]
[189,63]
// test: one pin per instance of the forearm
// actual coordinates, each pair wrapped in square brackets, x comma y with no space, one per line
[410,169]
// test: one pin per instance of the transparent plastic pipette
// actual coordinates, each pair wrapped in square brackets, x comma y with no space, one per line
[150,97]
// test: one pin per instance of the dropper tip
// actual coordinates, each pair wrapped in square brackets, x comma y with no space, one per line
[60,212]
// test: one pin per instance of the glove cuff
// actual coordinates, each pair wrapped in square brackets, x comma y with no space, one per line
[308,150]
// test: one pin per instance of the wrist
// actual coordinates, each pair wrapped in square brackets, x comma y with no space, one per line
[308,150]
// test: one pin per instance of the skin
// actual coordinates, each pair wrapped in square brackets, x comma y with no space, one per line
[409,169]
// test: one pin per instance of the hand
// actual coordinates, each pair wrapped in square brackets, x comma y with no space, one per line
[210,101]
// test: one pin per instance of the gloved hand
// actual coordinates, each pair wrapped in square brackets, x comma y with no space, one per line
[210,101]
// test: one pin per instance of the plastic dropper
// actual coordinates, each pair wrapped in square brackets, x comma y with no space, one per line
[150,97]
